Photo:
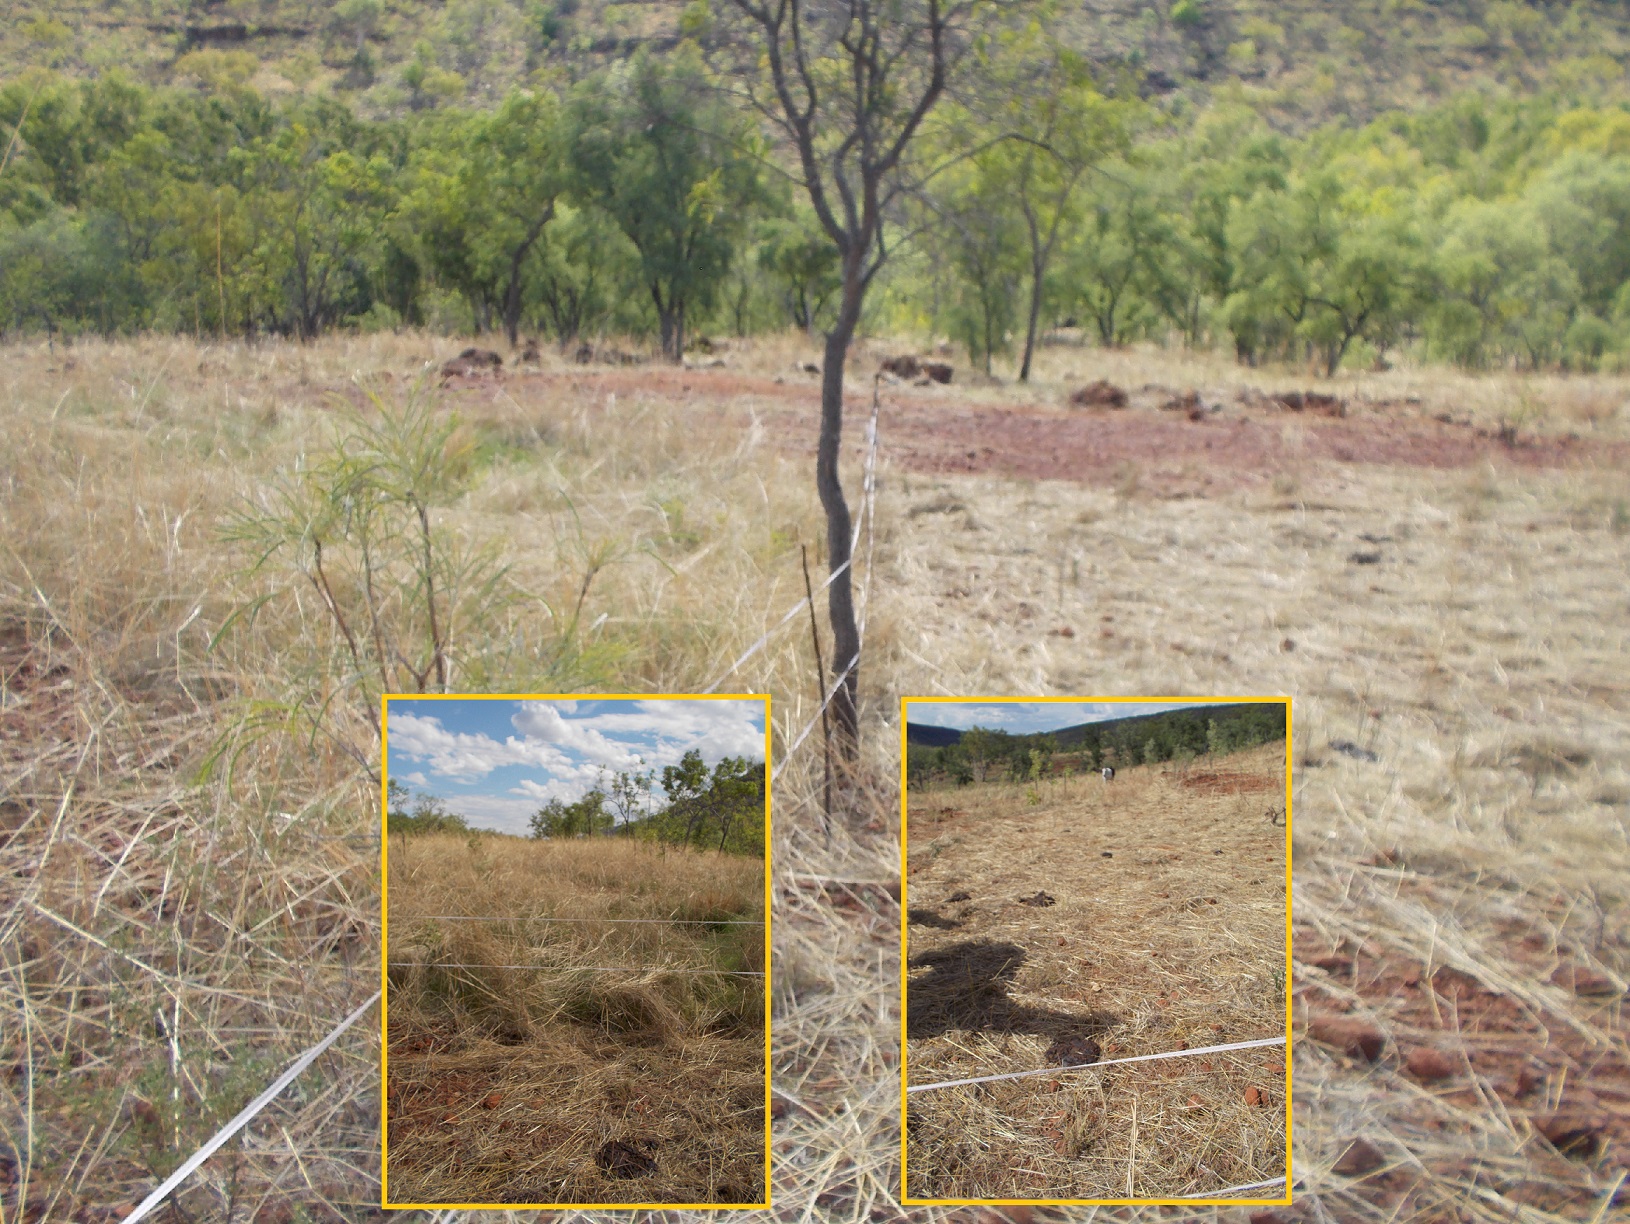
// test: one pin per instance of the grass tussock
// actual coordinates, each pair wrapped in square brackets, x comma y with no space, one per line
[485,1017]
[171,939]
[1166,932]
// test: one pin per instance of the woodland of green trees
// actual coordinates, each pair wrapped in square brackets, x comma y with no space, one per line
[982,754]
[640,199]
[717,809]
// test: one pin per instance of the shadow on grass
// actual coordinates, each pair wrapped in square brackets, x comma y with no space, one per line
[967,991]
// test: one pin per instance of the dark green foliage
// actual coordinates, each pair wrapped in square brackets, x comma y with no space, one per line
[721,809]
[427,814]
[1484,230]
[979,754]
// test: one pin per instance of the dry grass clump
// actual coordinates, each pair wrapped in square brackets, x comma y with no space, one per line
[1493,617]
[1167,932]
[1461,752]
[505,1083]
[188,814]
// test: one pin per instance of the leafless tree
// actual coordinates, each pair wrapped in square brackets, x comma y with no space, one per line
[846,85]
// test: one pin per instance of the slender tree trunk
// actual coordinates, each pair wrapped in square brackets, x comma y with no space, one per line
[512,291]
[840,602]
[670,325]
[1038,269]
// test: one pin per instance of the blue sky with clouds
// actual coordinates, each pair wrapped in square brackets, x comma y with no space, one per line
[495,762]
[1029,717]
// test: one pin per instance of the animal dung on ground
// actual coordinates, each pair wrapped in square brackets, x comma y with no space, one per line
[620,1159]
[1072,1052]
[1255,1096]
[1038,900]
[1100,394]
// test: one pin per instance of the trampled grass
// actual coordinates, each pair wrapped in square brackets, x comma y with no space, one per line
[509,1084]
[1164,930]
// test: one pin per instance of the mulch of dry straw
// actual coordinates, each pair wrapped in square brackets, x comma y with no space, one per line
[514,1086]
[1167,932]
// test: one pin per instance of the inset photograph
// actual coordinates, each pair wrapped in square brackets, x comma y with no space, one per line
[576,952]
[1097,950]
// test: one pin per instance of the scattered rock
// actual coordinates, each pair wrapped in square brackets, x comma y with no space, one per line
[493,1100]
[1038,900]
[1310,401]
[619,1159]
[1100,394]
[1288,645]
[587,353]
[1348,748]
[1255,1096]
[1583,981]
[958,896]
[1072,1052]
[1429,1064]
[1365,557]
[472,363]
[1184,401]
[1361,1157]
[1356,1038]
[904,366]
[938,371]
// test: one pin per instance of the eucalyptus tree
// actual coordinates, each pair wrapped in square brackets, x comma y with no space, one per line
[657,150]
[845,87]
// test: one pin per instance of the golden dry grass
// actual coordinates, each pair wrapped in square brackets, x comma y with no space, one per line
[1167,932]
[1489,651]
[505,1084]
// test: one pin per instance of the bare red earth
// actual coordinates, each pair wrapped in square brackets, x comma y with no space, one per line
[939,430]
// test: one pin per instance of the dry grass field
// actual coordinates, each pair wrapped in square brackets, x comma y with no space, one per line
[171,938]
[1165,931]
[566,1084]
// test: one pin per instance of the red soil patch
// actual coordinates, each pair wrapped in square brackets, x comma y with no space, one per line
[934,431]
[1225,783]
[1467,1043]
[1179,457]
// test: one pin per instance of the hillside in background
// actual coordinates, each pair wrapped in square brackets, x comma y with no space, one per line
[1302,63]
[982,754]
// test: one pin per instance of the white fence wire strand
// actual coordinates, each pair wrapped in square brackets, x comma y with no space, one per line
[226,1132]
[1211,1194]
[867,507]
[578,968]
[658,921]
[866,522]
[1108,1062]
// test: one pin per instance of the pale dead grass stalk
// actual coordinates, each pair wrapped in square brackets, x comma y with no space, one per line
[1167,933]
[1488,638]
[487,1056]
